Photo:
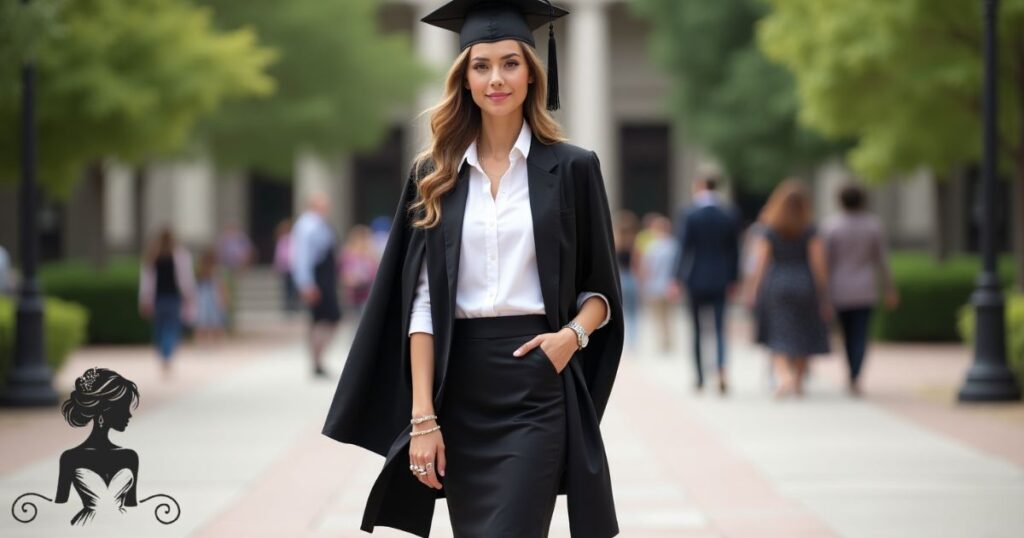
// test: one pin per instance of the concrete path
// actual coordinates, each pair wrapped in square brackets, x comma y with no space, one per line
[234,437]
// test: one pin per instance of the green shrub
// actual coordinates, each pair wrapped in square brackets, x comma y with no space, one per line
[64,326]
[1014,332]
[110,296]
[931,295]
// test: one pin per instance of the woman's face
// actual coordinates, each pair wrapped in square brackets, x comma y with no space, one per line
[118,415]
[498,77]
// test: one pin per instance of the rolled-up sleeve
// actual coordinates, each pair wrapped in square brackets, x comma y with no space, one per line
[420,320]
[607,306]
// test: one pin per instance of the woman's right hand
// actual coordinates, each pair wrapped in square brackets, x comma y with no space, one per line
[428,449]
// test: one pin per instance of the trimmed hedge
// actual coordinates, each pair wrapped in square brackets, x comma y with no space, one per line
[931,295]
[111,296]
[64,326]
[1014,332]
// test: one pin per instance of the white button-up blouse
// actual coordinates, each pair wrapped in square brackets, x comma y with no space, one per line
[498,262]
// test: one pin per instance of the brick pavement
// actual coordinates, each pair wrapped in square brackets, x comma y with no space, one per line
[683,465]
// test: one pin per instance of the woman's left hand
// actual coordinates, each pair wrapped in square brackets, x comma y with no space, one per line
[559,347]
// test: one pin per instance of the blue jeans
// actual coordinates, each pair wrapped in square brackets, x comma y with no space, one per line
[717,304]
[166,325]
[855,323]
[630,304]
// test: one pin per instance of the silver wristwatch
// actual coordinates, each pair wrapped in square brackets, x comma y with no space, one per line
[581,335]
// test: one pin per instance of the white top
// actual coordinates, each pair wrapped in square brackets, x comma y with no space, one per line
[705,198]
[312,238]
[498,261]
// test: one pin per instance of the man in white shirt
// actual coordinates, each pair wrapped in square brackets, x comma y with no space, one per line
[315,272]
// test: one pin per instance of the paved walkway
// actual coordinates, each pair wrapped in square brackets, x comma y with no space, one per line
[234,436]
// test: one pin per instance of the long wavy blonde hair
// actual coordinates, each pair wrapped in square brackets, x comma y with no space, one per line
[789,210]
[455,123]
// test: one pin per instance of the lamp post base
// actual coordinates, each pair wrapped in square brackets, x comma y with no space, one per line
[29,387]
[988,381]
[29,382]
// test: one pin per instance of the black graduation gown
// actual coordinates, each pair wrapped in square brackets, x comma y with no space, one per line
[575,253]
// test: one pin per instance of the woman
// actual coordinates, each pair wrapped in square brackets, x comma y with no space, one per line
[855,245]
[104,474]
[283,264]
[788,285]
[625,240]
[357,265]
[655,277]
[167,292]
[496,313]
[211,298]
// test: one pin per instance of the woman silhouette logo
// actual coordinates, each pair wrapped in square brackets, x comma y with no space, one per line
[104,474]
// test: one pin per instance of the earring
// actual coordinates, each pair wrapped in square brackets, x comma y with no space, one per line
[101,422]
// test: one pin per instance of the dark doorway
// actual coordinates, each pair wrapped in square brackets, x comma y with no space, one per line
[270,202]
[645,166]
[378,176]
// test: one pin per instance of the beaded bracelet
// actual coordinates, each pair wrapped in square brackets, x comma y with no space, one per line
[424,432]
[421,420]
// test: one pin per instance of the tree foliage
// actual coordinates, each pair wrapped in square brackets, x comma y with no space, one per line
[727,97]
[903,78]
[339,80]
[121,78]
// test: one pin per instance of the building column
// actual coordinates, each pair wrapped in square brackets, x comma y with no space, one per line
[119,194]
[194,209]
[584,73]
[437,48]
[314,174]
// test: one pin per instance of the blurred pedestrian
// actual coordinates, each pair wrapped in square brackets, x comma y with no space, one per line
[211,299]
[167,292]
[789,285]
[283,264]
[358,264]
[234,249]
[857,260]
[381,226]
[626,224]
[707,233]
[6,287]
[657,263]
[315,270]
[646,234]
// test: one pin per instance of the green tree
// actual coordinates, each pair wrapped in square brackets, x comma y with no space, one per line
[119,78]
[726,96]
[903,79]
[339,79]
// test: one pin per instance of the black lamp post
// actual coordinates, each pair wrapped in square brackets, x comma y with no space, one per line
[29,381]
[988,378]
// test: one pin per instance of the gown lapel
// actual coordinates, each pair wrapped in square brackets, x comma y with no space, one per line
[545,200]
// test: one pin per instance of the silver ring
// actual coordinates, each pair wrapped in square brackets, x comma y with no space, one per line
[421,472]
[430,465]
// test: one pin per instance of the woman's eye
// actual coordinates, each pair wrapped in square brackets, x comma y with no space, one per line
[480,67]
[512,65]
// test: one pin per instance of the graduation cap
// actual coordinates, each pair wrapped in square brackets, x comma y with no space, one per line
[486,21]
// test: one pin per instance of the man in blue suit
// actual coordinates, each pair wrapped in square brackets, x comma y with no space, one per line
[708,233]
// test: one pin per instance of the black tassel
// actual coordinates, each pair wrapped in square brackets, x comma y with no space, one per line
[553,101]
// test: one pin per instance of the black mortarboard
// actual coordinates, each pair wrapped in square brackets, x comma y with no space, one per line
[486,21]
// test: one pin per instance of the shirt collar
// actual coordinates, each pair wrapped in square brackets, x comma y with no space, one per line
[705,198]
[520,150]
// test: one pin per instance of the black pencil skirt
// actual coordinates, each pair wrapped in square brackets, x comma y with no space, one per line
[504,429]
